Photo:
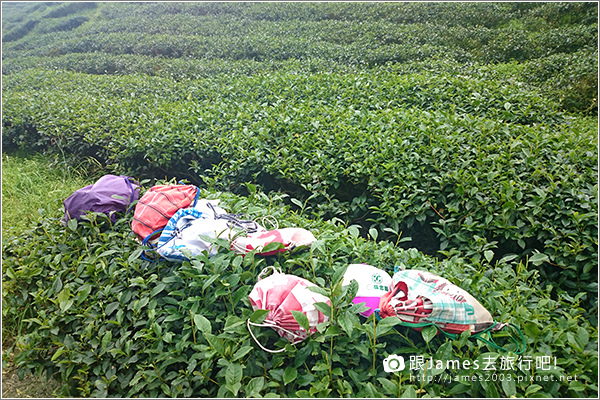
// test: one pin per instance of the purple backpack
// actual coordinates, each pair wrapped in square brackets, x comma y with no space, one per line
[109,193]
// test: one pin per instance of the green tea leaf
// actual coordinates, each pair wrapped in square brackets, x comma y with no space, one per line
[302,319]
[389,387]
[531,329]
[305,378]
[318,290]
[83,292]
[488,254]
[324,308]
[347,322]
[386,324]
[409,392]
[202,324]
[157,289]
[64,299]
[216,343]
[259,316]
[297,202]
[233,377]
[106,340]
[532,389]
[583,337]
[57,285]
[464,338]
[72,224]
[576,385]
[338,275]
[509,386]
[254,386]
[271,247]
[429,333]
[353,231]
[373,233]
[241,352]
[58,353]
[538,258]
[289,375]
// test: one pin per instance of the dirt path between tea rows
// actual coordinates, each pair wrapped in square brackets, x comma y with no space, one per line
[30,386]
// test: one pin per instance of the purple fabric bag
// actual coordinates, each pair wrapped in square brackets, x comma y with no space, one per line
[109,193]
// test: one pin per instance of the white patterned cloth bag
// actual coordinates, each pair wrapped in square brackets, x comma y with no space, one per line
[185,229]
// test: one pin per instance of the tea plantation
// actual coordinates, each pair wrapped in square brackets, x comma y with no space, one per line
[459,138]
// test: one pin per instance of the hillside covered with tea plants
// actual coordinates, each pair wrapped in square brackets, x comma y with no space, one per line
[461,138]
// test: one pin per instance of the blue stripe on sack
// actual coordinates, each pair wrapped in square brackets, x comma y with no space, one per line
[197,196]
[169,230]
[175,257]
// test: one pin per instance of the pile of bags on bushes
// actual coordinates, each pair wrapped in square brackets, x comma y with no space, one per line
[172,219]
[175,224]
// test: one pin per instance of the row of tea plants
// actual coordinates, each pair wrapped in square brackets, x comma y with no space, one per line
[192,39]
[460,164]
[87,309]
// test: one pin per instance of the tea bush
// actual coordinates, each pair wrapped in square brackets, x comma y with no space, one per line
[447,160]
[575,87]
[90,310]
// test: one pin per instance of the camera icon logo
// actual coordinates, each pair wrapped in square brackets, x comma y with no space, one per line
[393,363]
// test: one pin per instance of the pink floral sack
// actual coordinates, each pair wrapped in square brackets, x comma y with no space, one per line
[280,294]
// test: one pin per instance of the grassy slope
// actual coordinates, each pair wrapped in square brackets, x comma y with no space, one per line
[31,185]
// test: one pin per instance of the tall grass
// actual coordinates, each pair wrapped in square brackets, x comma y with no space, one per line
[34,184]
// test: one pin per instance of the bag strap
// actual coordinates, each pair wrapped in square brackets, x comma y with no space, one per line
[270,219]
[479,335]
[266,270]
[269,324]
[235,220]
[197,196]
[520,346]
[153,247]
[146,241]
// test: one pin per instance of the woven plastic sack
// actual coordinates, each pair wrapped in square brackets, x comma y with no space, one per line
[158,205]
[182,236]
[110,194]
[372,284]
[422,297]
[290,238]
[280,294]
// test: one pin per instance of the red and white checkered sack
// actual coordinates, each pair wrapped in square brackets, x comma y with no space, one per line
[280,294]
[422,297]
